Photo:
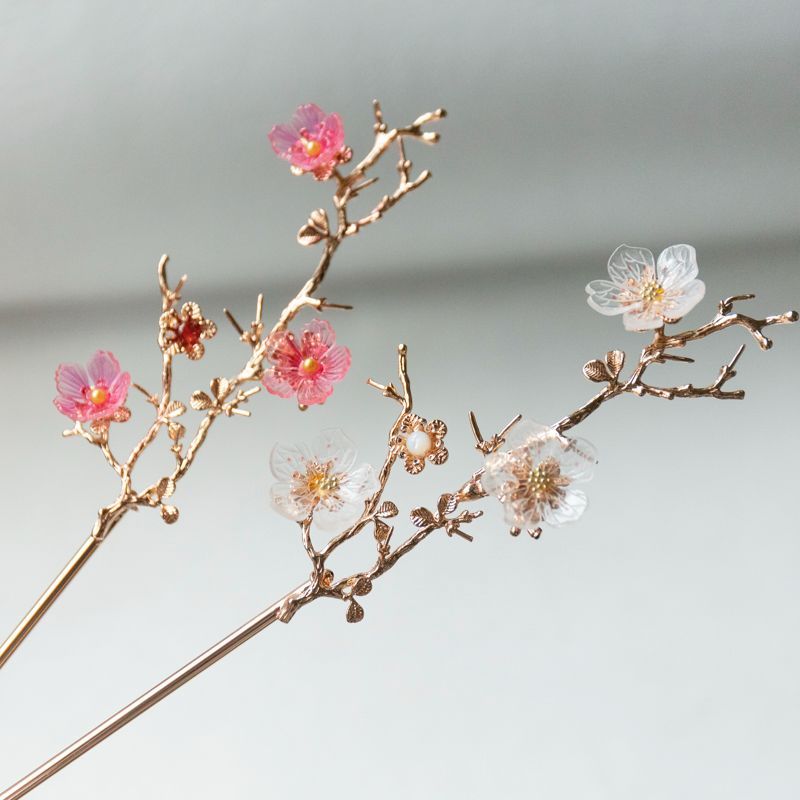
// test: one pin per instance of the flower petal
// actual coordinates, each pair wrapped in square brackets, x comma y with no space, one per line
[308,116]
[336,363]
[314,391]
[286,503]
[679,304]
[286,459]
[677,265]
[570,509]
[103,368]
[638,319]
[332,445]
[577,460]
[525,432]
[361,482]
[630,263]
[275,382]
[71,380]
[604,296]
[322,332]
[68,407]
[282,137]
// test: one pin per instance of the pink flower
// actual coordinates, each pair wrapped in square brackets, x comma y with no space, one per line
[95,393]
[311,142]
[307,368]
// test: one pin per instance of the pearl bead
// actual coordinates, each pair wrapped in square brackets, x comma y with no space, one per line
[98,395]
[312,147]
[309,365]
[418,443]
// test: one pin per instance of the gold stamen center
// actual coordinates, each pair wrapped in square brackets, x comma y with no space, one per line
[652,292]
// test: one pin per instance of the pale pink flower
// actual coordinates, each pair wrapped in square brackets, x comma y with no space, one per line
[535,474]
[646,293]
[94,393]
[322,480]
[307,368]
[312,142]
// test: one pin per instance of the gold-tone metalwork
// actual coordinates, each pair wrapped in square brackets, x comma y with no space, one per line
[322,582]
[227,395]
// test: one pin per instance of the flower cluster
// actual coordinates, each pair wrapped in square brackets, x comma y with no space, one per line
[646,293]
[308,368]
[312,142]
[95,393]
[183,331]
[534,475]
[322,480]
[419,440]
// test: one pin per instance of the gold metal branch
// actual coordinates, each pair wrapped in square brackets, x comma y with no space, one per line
[607,370]
[227,395]
[447,517]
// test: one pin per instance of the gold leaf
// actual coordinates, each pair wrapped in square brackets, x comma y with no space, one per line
[355,613]
[165,488]
[387,509]
[220,388]
[200,401]
[175,409]
[382,531]
[447,504]
[362,586]
[596,371]
[615,360]
[175,431]
[307,236]
[169,514]
[421,517]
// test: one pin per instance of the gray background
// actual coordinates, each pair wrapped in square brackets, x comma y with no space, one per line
[650,651]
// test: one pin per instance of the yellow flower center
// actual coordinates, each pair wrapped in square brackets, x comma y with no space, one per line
[98,395]
[309,365]
[320,482]
[312,147]
[652,292]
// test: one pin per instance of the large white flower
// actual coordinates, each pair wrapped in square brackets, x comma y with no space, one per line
[534,476]
[645,293]
[321,479]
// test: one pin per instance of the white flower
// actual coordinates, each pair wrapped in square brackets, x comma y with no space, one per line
[534,476]
[645,293]
[321,480]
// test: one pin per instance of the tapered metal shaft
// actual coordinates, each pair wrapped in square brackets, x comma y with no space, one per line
[148,699]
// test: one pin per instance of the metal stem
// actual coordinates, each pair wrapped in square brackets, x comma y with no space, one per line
[48,598]
[149,699]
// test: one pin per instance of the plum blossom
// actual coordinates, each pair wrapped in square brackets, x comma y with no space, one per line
[307,368]
[419,441]
[322,480]
[182,331]
[646,293]
[312,142]
[95,393]
[534,475]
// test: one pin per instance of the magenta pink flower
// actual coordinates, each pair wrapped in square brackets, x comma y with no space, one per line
[95,393]
[307,368]
[312,142]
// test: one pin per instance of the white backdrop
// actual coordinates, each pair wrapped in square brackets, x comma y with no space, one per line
[648,651]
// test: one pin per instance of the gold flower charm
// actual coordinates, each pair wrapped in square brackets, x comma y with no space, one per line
[420,440]
[181,332]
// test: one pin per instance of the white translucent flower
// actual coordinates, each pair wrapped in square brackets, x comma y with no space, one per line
[645,293]
[321,479]
[535,475]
